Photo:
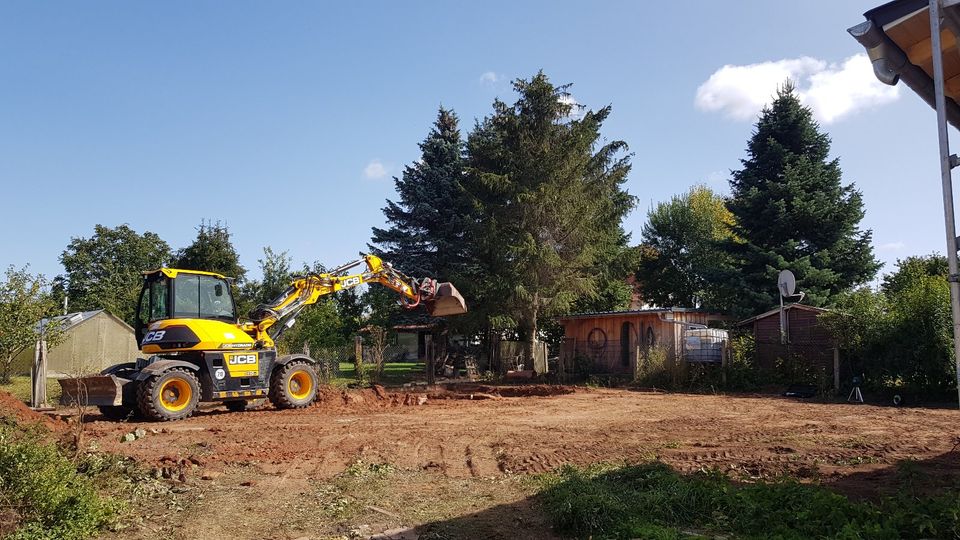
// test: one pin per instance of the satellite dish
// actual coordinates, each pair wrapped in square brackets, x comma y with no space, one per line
[787,283]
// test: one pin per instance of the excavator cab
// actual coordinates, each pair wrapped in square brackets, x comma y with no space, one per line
[183,294]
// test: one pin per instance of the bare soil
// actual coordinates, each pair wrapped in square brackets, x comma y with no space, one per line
[454,457]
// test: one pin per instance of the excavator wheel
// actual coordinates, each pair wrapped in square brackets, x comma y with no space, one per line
[240,405]
[172,395]
[293,385]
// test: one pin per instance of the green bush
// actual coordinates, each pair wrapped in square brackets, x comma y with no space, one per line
[49,498]
[900,337]
[653,501]
[653,369]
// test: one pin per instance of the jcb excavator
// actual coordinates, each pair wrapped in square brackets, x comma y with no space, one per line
[198,350]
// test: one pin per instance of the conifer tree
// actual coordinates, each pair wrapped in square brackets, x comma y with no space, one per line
[548,201]
[211,251]
[425,229]
[792,211]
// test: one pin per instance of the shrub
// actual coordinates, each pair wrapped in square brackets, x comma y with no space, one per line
[653,501]
[48,497]
[653,369]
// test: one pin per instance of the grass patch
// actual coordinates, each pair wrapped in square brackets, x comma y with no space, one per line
[21,388]
[44,494]
[654,501]
[394,373]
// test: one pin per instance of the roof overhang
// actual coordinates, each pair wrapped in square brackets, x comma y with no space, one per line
[896,37]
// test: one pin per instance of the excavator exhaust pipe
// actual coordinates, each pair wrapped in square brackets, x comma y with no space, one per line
[446,301]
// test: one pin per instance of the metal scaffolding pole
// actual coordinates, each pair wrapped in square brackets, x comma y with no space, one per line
[946,165]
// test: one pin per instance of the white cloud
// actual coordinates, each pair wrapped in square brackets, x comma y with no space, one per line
[891,246]
[831,90]
[375,170]
[490,77]
[577,111]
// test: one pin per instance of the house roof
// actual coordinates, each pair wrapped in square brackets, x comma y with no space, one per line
[776,310]
[596,314]
[896,36]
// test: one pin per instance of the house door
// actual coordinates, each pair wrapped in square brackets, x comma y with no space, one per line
[626,343]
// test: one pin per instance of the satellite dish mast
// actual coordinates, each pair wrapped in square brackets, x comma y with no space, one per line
[787,285]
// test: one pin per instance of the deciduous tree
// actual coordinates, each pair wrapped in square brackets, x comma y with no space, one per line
[24,302]
[682,240]
[106,270]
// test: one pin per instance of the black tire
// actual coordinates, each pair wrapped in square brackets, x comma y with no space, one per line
[172,395]
[115,412]
[294,385]
[240,405]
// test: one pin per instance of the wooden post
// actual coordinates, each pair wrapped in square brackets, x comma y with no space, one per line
[358,357]
[836,369]
[38,373]
[431,357]
[724,351]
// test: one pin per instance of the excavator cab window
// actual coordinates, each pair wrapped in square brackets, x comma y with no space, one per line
[154,302]
[202,297]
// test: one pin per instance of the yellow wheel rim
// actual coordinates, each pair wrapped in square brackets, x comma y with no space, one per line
[300,384]
[175,395]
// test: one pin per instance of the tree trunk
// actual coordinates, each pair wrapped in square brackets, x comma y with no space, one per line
[5,371]
[531,342]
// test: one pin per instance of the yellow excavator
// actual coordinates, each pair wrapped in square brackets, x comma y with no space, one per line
[198,350]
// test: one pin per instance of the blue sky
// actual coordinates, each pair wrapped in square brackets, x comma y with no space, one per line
[286,120]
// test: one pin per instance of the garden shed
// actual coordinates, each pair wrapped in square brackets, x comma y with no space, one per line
[804,340]
[93,340]
[613,340]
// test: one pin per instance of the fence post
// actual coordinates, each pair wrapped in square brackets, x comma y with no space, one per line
[431,357]
[836,369]
[358,357]
[38,397]
[724,351]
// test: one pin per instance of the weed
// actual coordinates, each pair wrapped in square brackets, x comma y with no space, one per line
[360,469]
[653,501]
[49,496]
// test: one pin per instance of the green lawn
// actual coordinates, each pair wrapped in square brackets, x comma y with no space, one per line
[394,373]
[21,388]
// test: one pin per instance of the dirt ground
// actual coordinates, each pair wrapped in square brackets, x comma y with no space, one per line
[364,462]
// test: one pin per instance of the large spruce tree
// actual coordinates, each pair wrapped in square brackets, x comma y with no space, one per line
[792,211]
[548,201]
[426,224]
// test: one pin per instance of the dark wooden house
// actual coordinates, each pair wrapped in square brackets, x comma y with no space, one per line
[803,339]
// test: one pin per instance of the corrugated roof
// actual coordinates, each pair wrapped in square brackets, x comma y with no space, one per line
[69,320]
[590,314]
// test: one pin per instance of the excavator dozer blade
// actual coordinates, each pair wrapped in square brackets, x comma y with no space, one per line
[447,301]
[104,390]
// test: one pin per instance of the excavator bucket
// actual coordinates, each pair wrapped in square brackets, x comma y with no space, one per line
[446,301]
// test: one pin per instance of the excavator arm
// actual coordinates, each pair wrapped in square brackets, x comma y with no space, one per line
[440,299]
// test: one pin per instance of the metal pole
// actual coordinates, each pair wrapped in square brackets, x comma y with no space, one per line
[945,168]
